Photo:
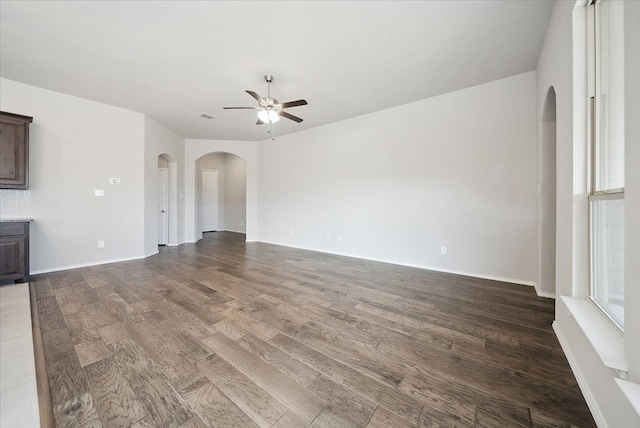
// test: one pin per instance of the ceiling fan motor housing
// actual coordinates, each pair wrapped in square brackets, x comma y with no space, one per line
[269,102]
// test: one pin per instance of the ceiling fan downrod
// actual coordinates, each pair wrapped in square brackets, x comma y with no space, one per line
[269,79]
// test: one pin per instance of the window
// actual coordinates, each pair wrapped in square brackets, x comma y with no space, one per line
[606,123]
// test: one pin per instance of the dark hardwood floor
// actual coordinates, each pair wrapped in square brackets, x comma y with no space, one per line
[226,333]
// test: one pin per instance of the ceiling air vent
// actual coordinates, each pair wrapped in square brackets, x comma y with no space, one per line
[207,116]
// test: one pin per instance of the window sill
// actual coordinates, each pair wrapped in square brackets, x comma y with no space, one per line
[603,336]
[632,392]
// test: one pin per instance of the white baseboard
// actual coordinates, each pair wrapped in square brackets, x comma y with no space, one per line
[582,381]
[436,269]
[481,276]
[544,293]
[82,265]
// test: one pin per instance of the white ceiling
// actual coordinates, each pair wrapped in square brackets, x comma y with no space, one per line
[173,60]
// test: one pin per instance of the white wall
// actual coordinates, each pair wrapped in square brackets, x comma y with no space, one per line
[215,162]
[247,151]
[159,140]
[545,286]
[561,50]
[457,170]
[555,70]
[232,189]
[632,188]
[76,145]
[235,204]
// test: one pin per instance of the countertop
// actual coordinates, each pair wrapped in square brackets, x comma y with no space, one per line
[16,220]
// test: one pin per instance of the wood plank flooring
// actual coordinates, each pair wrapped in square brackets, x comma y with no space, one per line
[224,333]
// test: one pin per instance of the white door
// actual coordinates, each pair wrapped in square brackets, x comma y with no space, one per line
[163,206]
[209,200]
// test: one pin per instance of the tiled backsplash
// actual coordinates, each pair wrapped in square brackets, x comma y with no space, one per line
[15,204]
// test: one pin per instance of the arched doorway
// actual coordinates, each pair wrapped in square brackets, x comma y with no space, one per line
[547,197]
[167,200]
[228,173]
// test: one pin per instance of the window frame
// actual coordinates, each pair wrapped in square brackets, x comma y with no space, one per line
[595,194]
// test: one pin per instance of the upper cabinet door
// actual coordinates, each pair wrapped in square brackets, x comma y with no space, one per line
[14,151]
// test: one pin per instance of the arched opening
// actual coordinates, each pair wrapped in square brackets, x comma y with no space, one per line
[547,198]
[221,193]
[167,200]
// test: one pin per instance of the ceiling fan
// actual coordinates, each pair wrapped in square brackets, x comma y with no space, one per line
[270,109]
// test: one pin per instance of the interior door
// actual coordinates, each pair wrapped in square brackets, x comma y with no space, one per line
[209,200]
[163,206]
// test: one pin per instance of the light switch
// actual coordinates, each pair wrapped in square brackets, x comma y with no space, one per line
[114,181]
[99,192]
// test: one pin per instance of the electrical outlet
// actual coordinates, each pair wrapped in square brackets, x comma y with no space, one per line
[291,232]
[100,244]
[99,192]
[328,237]
[443,250]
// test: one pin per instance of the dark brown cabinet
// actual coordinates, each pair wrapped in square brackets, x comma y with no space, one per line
[14,252]
[14,151]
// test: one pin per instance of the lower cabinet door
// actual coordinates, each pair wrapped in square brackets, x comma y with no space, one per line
[12,253]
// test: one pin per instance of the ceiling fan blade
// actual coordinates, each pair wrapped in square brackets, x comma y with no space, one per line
[241,108]
[259,122]
[289,116]
[254,95]
[294,103]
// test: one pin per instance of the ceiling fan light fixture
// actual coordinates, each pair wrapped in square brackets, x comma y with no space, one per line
[267,116]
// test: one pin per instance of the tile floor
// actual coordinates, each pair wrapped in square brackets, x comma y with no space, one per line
[18,391]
